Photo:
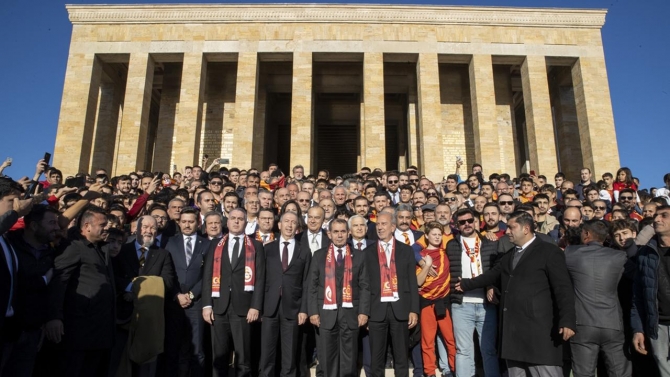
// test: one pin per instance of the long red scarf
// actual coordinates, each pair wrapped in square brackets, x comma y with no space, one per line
[249,266]
[330,286]
[388,276]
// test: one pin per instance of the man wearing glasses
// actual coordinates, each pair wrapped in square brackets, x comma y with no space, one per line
[628,202]
[392,181]
[506,204]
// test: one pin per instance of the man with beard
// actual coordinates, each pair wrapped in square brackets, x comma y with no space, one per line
[494,228]
[144,258]
[188,252]
[163,232]
[35,258]
[362,208]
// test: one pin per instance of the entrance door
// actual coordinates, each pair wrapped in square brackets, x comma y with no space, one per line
[337,148]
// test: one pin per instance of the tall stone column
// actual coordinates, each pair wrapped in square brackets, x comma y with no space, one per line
[484,122]
[594,115]
[188,122]
[135,120]
[76,121]
[302,150]
[373,144]
[430,117]
[106,123]
[167,116]
[505,119]
[539,121]
[245,104]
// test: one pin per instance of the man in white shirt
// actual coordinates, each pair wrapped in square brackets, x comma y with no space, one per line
[252,205]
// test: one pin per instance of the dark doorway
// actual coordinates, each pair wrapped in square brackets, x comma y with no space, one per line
[337,125]
[278,131]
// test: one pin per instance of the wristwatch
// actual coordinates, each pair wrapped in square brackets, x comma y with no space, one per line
[190,295]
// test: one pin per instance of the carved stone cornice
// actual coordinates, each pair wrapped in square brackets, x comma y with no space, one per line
[319,13]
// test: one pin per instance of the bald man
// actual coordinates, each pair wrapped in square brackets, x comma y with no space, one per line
[144,258]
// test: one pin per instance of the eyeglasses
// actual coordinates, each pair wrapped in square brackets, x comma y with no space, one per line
[392,181]
[466,221]
[450,199]
[303,200]
[599,208]
[506,203]
[216,183]
[626,197]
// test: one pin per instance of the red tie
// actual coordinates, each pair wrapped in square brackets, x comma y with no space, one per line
[284,257]
[360,244]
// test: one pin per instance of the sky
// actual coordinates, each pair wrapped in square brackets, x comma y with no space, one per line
[36,37]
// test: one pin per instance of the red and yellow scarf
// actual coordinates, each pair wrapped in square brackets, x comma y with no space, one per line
[330,286]
[249,266]
[388,276]
[475,258]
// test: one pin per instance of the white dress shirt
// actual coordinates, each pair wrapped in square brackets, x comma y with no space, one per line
[291,248]
[399,236]
[314,246]
[251,226]
[231,244]
[388,247]
[363,242]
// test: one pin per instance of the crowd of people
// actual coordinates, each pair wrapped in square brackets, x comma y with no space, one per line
[217,271]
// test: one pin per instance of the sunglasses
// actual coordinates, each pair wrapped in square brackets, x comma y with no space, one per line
[450,199]
[392,182]
[626,197]
[414,180]
[506,203]
[303,200]
[599,208]
[216,183]
[467,221]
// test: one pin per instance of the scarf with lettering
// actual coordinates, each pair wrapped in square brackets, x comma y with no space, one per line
[330,286]
[388,276]
[249,266]
[475,257]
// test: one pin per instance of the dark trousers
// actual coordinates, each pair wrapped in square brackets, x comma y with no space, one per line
[74,363]
[192,353]
[225,327]
[589,342]
[284,330]
[338,349]
[364,339]
[306,348]
[399,341]
[22,354]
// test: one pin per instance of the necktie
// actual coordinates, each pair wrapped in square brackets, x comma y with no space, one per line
[284,257]
[265,238]
[315,243]
[404,234]
[189,250]
[236,251]
[340,258]
[360,245]
[143,250]
[388,255]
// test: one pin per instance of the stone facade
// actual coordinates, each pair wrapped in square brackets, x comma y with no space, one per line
[516,89]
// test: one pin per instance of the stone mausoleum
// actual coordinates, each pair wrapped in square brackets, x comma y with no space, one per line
[336,87]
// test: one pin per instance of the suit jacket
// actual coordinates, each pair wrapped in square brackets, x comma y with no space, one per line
[158,262]
[360,286]
[189,276]
[407,285]
[232,281]
[537,299]
[372,231]
[9,282]
[81,294]
[595,271]
[304,240]
[287,288]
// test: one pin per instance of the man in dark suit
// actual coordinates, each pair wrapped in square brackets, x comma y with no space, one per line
[207,204]
[538,304]
[285,301]
[232,295]
[311,240]
[395,301]
[81,301]
[338,314]
[188,251]
[164,226]
[600,323]
[362,207]
[144,258]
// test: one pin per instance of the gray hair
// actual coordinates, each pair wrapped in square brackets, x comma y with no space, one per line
[352,218]
[213,213]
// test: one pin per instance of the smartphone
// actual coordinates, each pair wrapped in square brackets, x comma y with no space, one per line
[47,158]
[532,172]
[9,159]
[75,182]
